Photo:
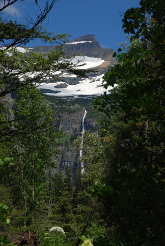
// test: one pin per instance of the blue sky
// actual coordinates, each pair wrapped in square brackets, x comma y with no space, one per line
[99,17]
[102,18]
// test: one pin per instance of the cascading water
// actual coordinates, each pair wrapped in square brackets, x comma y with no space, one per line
[82,142]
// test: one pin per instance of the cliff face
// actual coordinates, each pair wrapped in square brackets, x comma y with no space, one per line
[68,119]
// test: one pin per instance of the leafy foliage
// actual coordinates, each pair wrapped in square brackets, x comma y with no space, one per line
[134,129]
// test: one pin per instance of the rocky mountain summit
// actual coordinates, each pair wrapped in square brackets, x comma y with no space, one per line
[86,45]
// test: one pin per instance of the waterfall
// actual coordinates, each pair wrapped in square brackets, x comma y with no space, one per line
[82,142]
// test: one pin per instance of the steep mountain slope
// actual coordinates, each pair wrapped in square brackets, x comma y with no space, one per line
[72,94]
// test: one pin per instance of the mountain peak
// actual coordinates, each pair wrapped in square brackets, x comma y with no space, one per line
[87,45]
[87,37]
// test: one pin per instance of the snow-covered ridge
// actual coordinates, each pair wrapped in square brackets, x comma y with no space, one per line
[86,62]
[70,85]
[79,42]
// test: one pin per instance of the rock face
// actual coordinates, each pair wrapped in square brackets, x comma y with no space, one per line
[86,45]
[68,119]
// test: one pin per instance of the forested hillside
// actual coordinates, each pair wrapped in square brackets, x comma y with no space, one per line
[88,171]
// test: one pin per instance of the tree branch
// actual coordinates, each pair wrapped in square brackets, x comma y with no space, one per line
[9,3]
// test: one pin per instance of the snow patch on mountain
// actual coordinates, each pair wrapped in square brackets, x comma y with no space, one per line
[86,62]
[85,87]
[79,42]
[22,50]
[71,85]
